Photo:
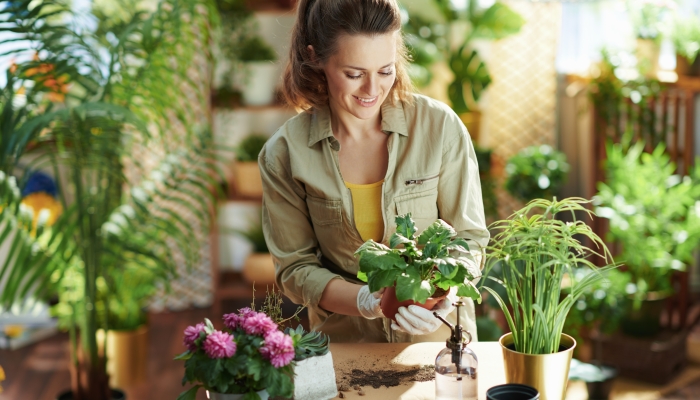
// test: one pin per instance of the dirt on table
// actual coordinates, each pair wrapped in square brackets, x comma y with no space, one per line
[383,377]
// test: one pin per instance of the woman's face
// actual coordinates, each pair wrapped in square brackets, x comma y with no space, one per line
[361,73]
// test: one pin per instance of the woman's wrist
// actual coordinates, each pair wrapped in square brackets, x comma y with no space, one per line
[340,297]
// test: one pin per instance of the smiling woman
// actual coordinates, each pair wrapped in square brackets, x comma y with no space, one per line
[365,149]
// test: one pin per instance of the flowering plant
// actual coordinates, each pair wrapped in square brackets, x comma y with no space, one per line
[250,355]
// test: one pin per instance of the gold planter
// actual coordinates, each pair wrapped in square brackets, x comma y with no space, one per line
[247,179]
[548,373]
[259,269]
[127,356]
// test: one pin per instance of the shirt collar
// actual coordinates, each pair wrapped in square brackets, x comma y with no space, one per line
[393,120]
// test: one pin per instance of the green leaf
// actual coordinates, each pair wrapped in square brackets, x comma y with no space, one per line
[438,232]
[190,394]
[184,356]
[362,276]
[497,22]
[409,286]
[372,261]
[398,239]
[405,226]
[382,278]
[447,267]
[469,290]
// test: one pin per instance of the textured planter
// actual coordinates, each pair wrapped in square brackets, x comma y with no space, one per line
[260,269]
[222,396]
[548,373]
[247,179]
[390,304]
[314,378]
[262,78]
[127,356]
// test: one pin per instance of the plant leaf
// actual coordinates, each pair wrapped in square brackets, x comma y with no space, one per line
[405,226]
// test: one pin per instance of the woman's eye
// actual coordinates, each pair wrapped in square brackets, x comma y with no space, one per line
[387,73]
[353,76]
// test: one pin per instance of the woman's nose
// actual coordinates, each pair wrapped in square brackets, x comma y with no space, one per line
[371,86]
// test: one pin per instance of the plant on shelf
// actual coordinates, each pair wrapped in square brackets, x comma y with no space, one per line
[418,269]
[654,215]
[685,34]
[259,267]
[101,108]
[441,31]
[251,356]
[536,172]
[534,252]
[247,173]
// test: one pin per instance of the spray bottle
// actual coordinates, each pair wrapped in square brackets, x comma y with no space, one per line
[456,365]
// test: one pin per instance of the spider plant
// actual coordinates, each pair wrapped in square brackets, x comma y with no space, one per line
[532,255]
[116,114]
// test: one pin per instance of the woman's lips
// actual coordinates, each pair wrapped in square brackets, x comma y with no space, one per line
[363,101]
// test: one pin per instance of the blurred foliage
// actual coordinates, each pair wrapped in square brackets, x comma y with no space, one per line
[436,30]
[685,35]
[250,147]
[654,214]
[536,172]
[488,182]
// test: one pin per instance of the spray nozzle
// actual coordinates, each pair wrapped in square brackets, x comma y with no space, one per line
[456,342]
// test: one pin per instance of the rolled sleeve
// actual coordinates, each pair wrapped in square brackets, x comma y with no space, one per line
[459,195]
[290,237]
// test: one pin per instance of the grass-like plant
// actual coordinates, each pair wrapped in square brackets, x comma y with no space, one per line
[531,255]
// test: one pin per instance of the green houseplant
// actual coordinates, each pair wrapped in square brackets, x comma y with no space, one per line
[258,267]
[654,216]
[685,35]
[417,268]
[536,172]
[246,171]
[439,31]
[92,119]
[534,251]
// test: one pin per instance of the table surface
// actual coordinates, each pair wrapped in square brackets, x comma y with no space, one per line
[397,356]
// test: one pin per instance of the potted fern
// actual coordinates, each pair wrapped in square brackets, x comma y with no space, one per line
[531,255]
[419,269]
[246,173]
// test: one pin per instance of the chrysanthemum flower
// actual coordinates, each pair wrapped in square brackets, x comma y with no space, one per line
[278,348]
[219,345]
[192,334]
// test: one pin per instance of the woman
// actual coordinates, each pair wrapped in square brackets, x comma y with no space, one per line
[365,150]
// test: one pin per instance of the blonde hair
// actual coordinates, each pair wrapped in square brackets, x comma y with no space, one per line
[320,23]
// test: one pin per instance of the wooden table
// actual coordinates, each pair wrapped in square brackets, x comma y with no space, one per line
[383,356]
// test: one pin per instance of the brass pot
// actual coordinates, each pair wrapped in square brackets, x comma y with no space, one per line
[127,356]
[260,269]
[247,179]
[548,373]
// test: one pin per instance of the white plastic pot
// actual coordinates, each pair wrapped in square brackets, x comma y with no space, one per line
[261,82]
[314,378]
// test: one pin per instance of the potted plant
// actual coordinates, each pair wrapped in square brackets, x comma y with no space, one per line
[258,267]
[685,35]
[653,215]
[536,172]
[99,102]
[439,31]
[534,252]
[247,173]
[418,270]
[249,359]
[314,376]
[647,18]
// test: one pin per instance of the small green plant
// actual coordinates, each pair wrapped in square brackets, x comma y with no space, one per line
[307,344]
[250,147]
[437,258]
[654,214]
[256,236]
[533,251]
[254,48]
[536,172]
[686,36]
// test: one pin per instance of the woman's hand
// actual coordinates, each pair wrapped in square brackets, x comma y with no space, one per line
[417,320]
[368,303]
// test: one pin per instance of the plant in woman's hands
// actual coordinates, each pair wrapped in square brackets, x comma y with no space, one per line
[437,258]
[250,355]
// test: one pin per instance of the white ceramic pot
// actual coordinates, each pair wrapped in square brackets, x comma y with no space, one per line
[261,82]
[221,396]
[314,378]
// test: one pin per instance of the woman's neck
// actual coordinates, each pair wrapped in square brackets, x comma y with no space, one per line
[345,124]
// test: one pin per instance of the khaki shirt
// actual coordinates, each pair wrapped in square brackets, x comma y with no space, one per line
[308,213]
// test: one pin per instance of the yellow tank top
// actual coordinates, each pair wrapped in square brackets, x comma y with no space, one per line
[367,209]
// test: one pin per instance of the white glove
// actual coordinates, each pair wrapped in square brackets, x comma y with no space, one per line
[417,320]
[368,303]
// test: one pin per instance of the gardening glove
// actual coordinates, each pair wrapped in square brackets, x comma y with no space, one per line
[368,303]
[417,320]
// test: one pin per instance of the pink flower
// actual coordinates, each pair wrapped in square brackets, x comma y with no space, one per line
[192,334]
[219,345]
[278,348]
[231,321]
[258,324]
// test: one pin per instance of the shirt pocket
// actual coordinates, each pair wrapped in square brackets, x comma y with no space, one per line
[422,206]
[324,212]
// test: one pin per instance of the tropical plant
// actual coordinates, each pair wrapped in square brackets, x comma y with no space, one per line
[685,35]
[100,108]
[307,344]
[254,48]
[438,30]
[534,251]
[251,354]
[250,147]
[536,172]
[654,215]
[417,266]
[647,16]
